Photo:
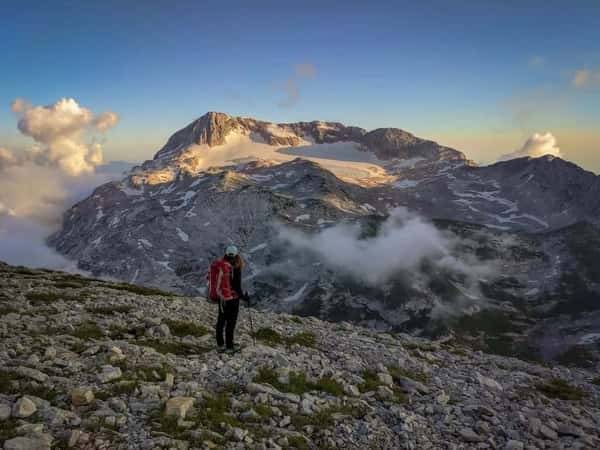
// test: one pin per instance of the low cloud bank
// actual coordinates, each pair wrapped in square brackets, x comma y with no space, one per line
[402,244]
[37,185]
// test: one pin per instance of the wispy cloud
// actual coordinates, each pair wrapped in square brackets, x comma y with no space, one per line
[586,78]
[290,87]
[536,61]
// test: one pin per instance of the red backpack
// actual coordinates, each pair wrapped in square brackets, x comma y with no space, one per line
[219,281]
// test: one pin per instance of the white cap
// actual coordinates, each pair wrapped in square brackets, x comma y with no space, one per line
[231,250]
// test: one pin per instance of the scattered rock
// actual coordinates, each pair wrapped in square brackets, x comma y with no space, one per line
[178,406]
[24,407]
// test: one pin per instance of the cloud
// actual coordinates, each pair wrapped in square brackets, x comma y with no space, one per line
[39,184]
[403,243]
[305,70]
[539,144]
[586,78]
[63,131]
[290,86]
[536,61]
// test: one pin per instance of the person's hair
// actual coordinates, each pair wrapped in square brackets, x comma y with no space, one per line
[238,262]
[235,260]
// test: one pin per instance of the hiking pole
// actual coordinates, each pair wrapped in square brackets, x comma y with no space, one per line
[250,319]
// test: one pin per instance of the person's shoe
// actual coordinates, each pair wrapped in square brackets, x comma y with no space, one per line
[220,348]
[234,349]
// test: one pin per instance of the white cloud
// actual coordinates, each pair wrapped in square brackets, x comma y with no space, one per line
[63,132]
[305,70]
[586,78]
[537,60]
[539,144]
[37,185]
[403,243]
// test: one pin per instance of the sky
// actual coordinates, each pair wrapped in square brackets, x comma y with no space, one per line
[482,77]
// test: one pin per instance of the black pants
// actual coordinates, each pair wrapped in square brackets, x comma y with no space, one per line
[228,313]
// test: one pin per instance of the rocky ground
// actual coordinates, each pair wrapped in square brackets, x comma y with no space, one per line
[97,365]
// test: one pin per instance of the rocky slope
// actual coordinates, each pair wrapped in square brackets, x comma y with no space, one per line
[92,364]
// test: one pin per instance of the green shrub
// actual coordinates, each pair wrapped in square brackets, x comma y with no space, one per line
[109,310]
[183,328]
[371,381]
[298,384]
[175,348]
[6,309]
[268,336]
[7,380]
[87,331]
[139,290]
[44,297]
[416,375]
[305,339]
[559,388]
[272,337]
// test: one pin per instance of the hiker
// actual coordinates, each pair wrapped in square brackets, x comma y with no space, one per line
[226,280]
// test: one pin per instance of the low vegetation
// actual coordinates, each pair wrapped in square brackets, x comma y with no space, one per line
[272,337]
[87,331]
[183,328]
[416,375]
[559,388]
[298,383]
[139,290]
[371,381]
[109,310]
[175,348]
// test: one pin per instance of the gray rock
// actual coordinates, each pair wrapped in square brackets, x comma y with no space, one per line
[24,407]
[26,443]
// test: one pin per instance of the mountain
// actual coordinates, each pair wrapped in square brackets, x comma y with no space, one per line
[87,363]
[506,261]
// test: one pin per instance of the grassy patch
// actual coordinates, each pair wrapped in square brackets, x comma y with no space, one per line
[176,348]
[125,387]
[559,388]
[272,337]
[596,381]
[326,417]
[298,442]
[371,381]
[6,309]
[8,429]
[68,285]
[109,310]
[7,380]
[298,384]
[304,339]
[263,410]
[183,328]
[268,336]
[44,297]
[47,393]
[397,372]
[87,331]
[139,290]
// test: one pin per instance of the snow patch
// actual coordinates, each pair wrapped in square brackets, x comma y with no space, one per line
[182,234]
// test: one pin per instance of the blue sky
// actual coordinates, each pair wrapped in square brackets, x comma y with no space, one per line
[477,75]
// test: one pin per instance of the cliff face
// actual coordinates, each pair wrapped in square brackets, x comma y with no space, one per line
[94,364]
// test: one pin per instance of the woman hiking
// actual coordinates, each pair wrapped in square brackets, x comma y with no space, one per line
[229,300]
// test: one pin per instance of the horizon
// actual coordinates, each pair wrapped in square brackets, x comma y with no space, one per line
[441,71]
